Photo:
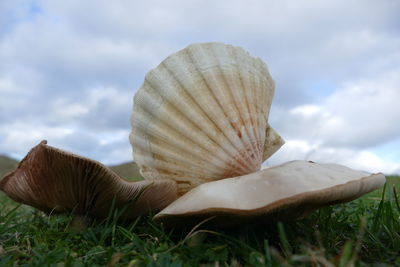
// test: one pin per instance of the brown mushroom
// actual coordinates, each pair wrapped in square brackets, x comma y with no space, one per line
[285,192]
[56,181]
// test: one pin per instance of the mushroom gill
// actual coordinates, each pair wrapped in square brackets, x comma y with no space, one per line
[57,181]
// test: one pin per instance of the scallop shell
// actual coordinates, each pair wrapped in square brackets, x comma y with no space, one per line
[202,115]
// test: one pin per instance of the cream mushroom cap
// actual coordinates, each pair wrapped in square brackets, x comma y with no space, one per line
[288,191]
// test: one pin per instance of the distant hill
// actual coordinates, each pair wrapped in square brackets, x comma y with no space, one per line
[7,164]
[127,170]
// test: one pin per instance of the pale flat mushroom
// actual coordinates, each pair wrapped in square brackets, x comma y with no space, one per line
[285,192]
[56,181]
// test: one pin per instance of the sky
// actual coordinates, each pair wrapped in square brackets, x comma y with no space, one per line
[69,70]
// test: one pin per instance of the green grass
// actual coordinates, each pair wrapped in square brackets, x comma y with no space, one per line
[363,232]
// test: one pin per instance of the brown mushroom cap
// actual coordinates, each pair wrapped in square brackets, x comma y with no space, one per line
[56,181]
[285,192]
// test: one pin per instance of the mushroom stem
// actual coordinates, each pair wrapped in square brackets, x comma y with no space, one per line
[56,181]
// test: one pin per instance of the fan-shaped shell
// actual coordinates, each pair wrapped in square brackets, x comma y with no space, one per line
[202,115]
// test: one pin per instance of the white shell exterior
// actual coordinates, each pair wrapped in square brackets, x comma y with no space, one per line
[202,115]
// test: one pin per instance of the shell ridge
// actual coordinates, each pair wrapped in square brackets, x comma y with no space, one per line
[254,92]
[187,157]
[249,96]
[243,168]
[144,153]
[235,103]
[200,108]
[255,82]
[236,160]
[246,93]
[246,153]
[140,120]
[211,91]
[188,160]
[267,94]
[263,121]
[170,169]
[149,112]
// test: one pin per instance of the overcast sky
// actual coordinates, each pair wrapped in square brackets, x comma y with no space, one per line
[69,70]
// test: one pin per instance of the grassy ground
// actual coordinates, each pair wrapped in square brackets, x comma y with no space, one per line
[361,232]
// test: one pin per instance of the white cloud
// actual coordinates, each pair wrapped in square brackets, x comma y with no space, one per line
[17,137]
[6,86]
[109,147]
[358,159]
[69,69]
[307,111]
[359,114]
[98,108]
[356,119]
